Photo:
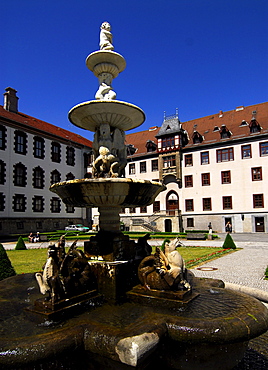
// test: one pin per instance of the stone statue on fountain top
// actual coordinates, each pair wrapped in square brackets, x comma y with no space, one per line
[106,37]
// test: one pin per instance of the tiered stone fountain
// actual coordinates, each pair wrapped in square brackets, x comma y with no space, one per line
[101,317]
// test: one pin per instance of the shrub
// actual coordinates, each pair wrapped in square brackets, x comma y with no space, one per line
[20,244]
[6,269]
[266,273]
[228,242]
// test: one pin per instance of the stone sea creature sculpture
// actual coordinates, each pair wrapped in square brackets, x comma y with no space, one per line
[49,281]
[164,271]
[106,37]
[64,274]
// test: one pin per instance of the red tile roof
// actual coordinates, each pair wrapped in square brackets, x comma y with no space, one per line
[43,126]
[139,139]
[232,120]
[205,127]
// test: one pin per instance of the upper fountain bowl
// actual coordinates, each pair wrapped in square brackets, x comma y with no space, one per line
[91,114]
[113,192]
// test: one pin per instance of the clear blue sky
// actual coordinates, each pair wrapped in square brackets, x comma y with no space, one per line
[197,56]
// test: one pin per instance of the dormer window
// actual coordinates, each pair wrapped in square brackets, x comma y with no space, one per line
[150,146]
[197,138]
[216,128]
[131,149]
[225,133]
[243,123]
[254,126]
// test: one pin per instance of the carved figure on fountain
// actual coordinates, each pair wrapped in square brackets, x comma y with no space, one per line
[105,91]
[110,152]
[106,37]
[64,275]
[164,270]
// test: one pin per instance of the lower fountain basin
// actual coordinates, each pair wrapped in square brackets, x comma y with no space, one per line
[210,332]
[113,192]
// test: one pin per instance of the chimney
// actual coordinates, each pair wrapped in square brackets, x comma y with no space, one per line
[11,100]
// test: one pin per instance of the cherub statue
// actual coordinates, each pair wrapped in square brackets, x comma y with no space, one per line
[106,37]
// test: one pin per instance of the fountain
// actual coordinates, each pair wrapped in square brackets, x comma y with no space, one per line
[115,305]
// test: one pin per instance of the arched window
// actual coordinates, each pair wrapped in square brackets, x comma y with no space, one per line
[38,178]
[172,203]
[55,177]
[69,176]
[19,175]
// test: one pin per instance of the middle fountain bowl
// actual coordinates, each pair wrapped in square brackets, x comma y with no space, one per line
[114,192]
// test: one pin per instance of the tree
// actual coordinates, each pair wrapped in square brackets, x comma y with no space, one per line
[20,244]
[6,269]
[228,242]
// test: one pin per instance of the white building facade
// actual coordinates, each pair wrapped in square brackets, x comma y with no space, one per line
[215,169]
[34,155]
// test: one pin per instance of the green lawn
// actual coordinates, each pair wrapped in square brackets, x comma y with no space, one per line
[32,260]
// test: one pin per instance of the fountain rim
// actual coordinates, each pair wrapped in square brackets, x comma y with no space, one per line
[105,56]
[96,108]
[114,180]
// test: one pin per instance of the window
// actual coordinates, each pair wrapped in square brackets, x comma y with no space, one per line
[224,155]
[70,157]
[254,126]
[132,210]
[20,225]
[55,205]
[69,209]
[19,203]
[2,137]
[38,204]
[224,132]
[169,161]
[143,209]
[227,202]
[168,141]
[142,167]
[39,225]
[55,177]
[150,146]
[258,201]
[207,204]
[55,152]
[156,206]
[190,222]
[188,181]
[132,169]
[2,202]
[2,172]
[188,160]
[205,178]
[20,142]
[19,175]
[154,165]
[189,205]
[38,178]
[226,177]
[204,157]
[39,147]
[256,173]
[264,149]
[70,176]
[197,138]
[246,151]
